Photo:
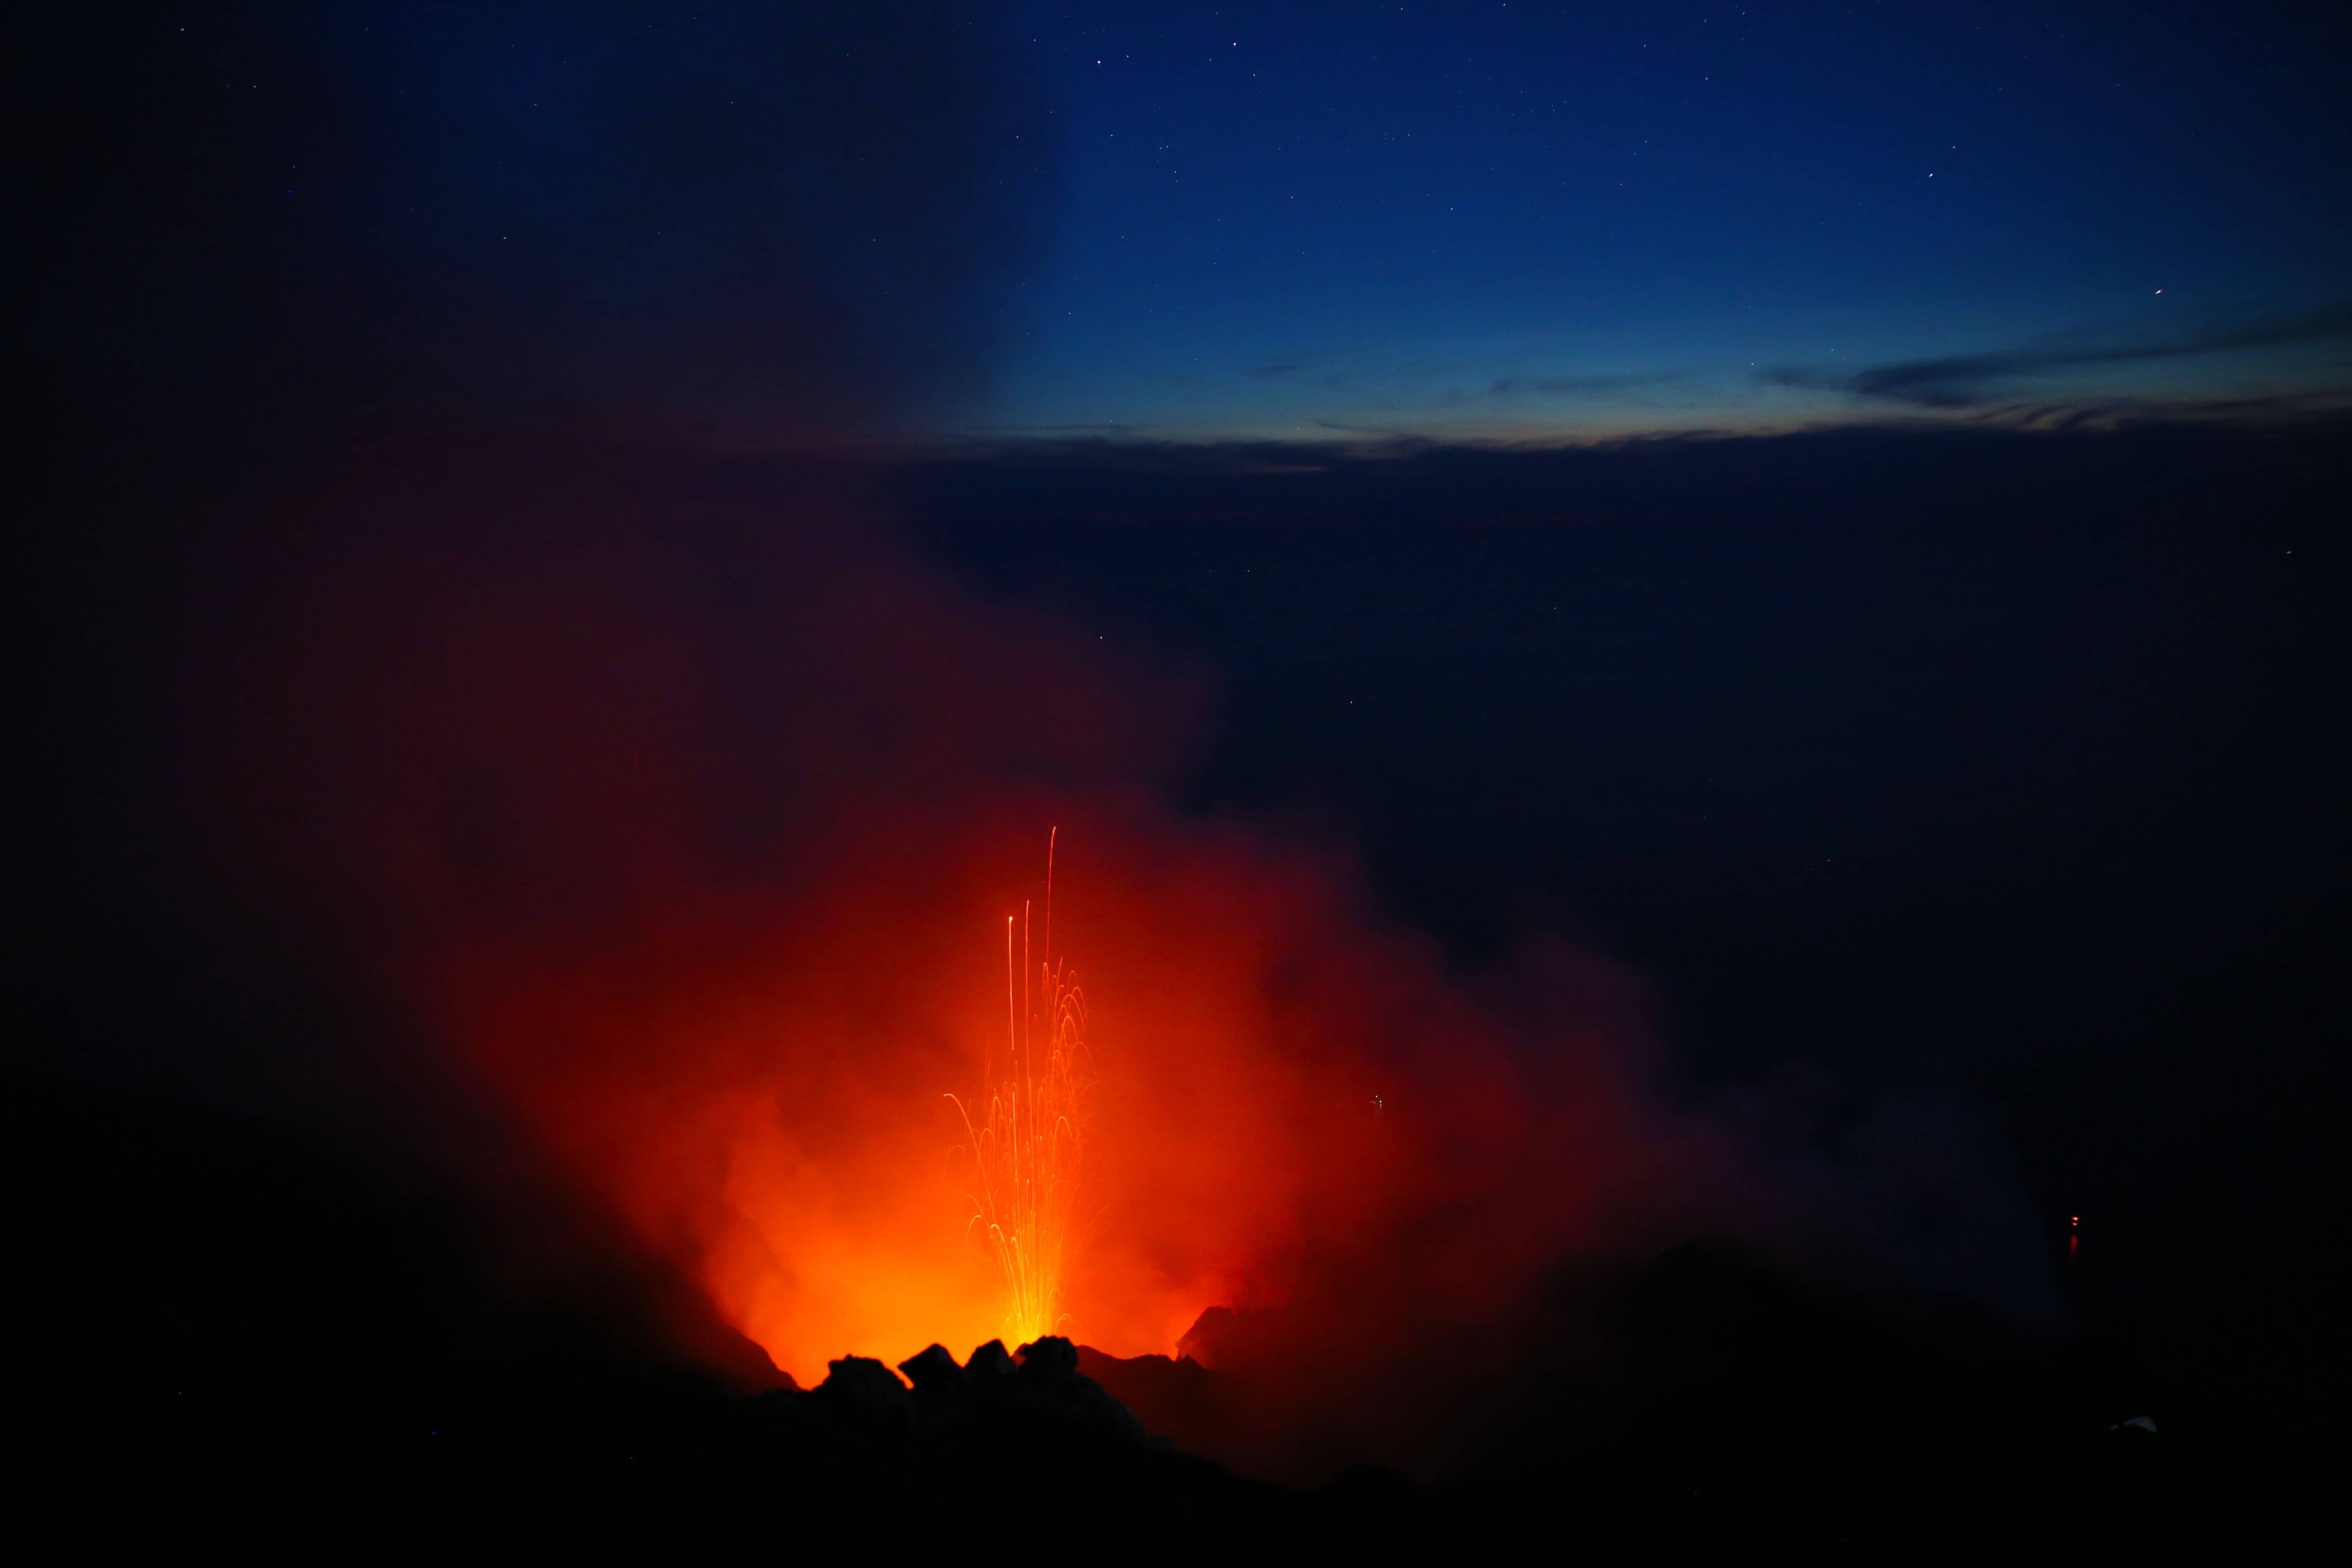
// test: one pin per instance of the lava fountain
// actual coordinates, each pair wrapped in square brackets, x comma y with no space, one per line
[1027,1150]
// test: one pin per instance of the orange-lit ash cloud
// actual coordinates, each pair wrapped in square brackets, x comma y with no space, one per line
[756,1082]
[686,829]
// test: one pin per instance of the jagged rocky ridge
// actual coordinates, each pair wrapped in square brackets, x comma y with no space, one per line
[221,1337]
[1039,1382]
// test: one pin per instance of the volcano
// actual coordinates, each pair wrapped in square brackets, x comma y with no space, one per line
[1691,727]
[225,1327]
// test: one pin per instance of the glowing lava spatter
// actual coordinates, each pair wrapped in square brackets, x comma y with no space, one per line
[1026,1151]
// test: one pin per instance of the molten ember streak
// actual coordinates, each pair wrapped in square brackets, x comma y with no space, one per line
[1026,1154]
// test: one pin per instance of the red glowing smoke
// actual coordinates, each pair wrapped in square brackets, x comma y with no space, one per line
[681,819]
[688,832]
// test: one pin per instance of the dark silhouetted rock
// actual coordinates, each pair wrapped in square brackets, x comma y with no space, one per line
[1207,1336]
[1052,1360]
[1050,1384]
[1222,1338]
[861,1388]
[943,1398]
[1177,1399]
[1700,1404]
[932,1371]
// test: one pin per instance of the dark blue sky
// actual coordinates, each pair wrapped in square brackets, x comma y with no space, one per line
[1487,219]
[1498,217]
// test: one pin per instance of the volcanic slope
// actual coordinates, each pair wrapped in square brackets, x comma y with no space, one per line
[235,1333]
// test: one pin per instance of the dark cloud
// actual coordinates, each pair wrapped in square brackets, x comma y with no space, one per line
[262,238]
[1294,364]
[1112,428]
[1964,381]
[753,218]
[1329,378]
[1389,433]
[1571,385]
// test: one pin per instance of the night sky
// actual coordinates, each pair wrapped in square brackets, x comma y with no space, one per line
[1534,220]
[1832,513]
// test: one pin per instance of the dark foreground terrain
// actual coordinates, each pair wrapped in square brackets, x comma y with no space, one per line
[226,1335]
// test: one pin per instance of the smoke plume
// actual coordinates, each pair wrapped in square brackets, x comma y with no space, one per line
[654,799]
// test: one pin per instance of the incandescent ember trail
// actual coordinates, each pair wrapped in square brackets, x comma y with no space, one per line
[1026,1150]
